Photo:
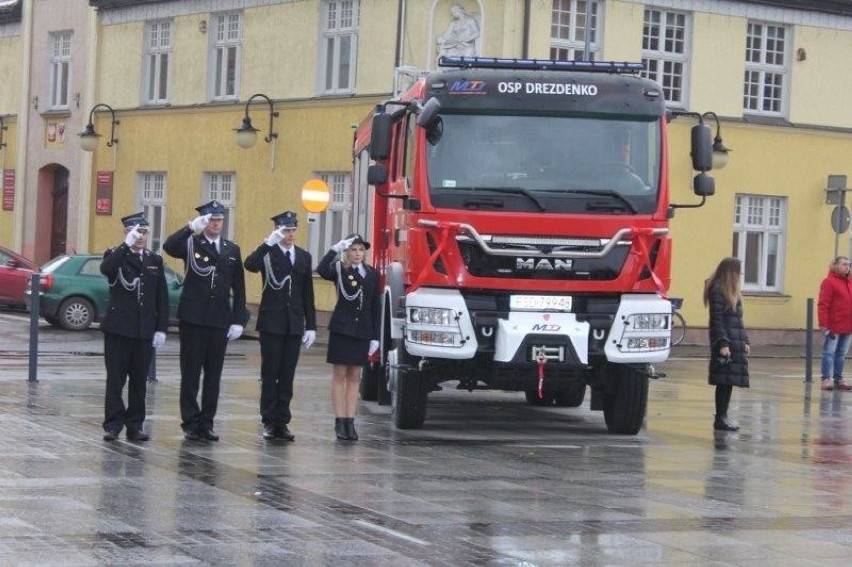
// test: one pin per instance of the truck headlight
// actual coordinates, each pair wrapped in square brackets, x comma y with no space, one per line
[648,321]
[431,316]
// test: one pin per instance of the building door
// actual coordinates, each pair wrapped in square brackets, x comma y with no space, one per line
[59,224]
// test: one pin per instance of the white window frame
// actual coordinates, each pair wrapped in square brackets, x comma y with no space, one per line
[667,62]
[222,186]
[158,53]
[338,28]
[226,43]
[336,221]
[570,15]
[60,68]
[151,191]
[760,96]
[759,240]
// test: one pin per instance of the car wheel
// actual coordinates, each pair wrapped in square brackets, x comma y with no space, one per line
[76,314]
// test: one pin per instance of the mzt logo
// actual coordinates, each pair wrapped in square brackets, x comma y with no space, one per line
[468,87]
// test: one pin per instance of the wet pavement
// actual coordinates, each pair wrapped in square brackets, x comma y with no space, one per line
[488,481]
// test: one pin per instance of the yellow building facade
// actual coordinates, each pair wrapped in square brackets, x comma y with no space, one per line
[324,64]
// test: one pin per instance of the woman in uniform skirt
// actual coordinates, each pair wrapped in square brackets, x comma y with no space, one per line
[354,325]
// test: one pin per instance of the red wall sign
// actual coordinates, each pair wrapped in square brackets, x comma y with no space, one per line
[103,194]
[8,189]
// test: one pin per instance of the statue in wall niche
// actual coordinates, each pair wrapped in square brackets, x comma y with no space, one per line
[462,34]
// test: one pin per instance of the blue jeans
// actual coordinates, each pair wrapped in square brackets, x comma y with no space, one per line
[834,355]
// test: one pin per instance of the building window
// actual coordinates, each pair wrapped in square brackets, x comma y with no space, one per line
[664,53]
[568,29]
[158,43]
[766,47]
[60,68]
[225,59]
[151,195]
[759,225]
[222,186]
[336,222]
[339,46]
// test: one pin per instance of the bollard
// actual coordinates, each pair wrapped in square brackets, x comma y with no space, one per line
[809,341]
[35,304]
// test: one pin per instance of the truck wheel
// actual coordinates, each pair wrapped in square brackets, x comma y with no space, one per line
[534,400]
[625,400]
[570,399]
[369,386]
[408,394]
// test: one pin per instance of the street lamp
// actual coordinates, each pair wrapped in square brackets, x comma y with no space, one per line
[2,129]
[247,134]
[89,138]
[720,152]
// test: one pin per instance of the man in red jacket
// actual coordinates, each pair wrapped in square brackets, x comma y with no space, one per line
[835,323]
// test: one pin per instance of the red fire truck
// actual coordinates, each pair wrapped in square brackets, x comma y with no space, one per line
[519,213]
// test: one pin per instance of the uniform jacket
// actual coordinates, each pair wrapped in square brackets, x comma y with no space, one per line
[206,299]
[835,304]
[360,317]
[138,312]
[289,310]
[726,328]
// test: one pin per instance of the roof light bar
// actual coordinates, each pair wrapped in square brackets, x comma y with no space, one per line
[539,64]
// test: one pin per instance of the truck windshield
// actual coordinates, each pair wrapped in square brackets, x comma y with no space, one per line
[606,165]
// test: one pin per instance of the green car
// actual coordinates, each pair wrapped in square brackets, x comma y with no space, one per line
[74,293]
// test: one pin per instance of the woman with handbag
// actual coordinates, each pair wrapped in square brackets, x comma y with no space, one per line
[729,344]
[353,328]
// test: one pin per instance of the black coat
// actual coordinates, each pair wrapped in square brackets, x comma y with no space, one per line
[726,328]
[289,310]
[140,311]
[359,317]
[206,299]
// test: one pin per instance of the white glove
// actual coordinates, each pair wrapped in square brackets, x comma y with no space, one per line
[198,223]
[308,338]
[159,339]
[374,346]
[343,245]
[274,237]
[234,332]
[132,236]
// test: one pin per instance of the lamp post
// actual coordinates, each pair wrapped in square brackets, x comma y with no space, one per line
[247,134]
[720,152]
[89,138]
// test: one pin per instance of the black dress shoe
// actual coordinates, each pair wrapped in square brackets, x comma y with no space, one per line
[111,434]
[191,435]
[340,428]
[284,433]
[137,435]
[351,434]
[268,432]
[210,435]
[722,424]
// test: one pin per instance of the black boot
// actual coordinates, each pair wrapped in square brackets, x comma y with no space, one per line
[351,434]
[340,428]
[723,424]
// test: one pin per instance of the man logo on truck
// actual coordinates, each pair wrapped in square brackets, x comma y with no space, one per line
[543,264]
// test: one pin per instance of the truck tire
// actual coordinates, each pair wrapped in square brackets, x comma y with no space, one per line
[625,400]
[570,399]
[408,394]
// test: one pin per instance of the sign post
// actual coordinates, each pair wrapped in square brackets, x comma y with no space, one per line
[835,194]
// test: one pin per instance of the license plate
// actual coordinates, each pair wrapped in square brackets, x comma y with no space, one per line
[540,302]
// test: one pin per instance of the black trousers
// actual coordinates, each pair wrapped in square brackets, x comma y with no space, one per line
[279,355]
[125,358]
[201,348]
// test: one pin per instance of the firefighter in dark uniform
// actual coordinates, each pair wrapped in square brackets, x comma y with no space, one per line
[209,316]
[286,320]
[134,325]
[353,328]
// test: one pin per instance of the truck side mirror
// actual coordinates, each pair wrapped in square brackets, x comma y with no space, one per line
[377,174]
[380,140]
[704,185]
[428,114]
[702,148]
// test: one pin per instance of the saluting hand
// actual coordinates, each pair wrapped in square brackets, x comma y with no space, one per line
[274,237]
[199,223]
[132,236]
[343,245]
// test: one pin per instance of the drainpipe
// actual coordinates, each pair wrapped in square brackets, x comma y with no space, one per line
[526,39]
[21,197]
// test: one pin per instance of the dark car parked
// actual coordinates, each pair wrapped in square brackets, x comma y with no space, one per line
[15,272]
[74,293]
